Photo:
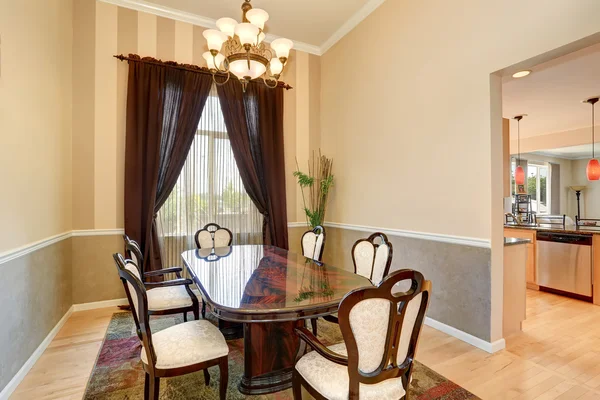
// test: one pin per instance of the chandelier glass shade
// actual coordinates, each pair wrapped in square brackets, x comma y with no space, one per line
[238,49]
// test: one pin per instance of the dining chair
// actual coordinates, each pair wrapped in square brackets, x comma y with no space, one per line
[381,329]
[177,350]
[372,258]
[166,297]
[313,243]
[213,235]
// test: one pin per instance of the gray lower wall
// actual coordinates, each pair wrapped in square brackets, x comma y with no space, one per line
[95,276]
[460,275]
[37,289]
[35,293]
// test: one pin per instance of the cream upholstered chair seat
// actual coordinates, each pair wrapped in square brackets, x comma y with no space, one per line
[167,298]
[187,344]
[332,381]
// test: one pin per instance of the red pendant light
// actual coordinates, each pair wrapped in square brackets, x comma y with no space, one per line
[593,167]
[519,172]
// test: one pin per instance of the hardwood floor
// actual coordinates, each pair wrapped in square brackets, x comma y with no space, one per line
[557,356]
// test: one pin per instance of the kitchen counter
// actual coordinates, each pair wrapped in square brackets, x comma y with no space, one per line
[511,241]
[556,228]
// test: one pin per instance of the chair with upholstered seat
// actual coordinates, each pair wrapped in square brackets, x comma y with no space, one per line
[213,235]
[372,258]
[178,350]
[381,328]
[313,243]
[166,297]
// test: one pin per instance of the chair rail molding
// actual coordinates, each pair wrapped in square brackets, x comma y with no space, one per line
[436,237]
[12,254]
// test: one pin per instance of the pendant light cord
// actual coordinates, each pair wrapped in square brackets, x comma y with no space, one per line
[519,139]
[593,133]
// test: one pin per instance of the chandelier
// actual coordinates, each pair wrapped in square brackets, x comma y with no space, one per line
[238,49]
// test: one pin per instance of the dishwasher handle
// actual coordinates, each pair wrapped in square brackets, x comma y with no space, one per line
[581,240]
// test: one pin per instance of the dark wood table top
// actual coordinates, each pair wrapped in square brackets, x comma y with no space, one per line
[255,283]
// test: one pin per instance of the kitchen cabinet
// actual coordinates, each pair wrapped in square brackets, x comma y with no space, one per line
[530,274]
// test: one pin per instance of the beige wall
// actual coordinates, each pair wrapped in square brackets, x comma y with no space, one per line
[103,30]
[412,116]
[418,119]
[35,120]
[590,197]
[554,140]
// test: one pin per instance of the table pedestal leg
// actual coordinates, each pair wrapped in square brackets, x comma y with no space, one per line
[269,354]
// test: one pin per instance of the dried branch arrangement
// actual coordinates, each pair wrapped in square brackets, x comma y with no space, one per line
[319,181]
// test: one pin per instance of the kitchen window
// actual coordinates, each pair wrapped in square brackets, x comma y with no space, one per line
[538,185]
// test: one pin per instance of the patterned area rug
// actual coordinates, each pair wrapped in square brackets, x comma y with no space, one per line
[118,373]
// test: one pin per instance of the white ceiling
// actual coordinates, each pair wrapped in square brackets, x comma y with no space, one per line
[570,153]
[316,23]
[551,95]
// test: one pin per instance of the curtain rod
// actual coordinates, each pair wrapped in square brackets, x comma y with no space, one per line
[173,64]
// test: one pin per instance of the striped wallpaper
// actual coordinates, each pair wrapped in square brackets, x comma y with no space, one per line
[102,30]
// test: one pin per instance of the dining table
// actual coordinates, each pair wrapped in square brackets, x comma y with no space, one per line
[271,291]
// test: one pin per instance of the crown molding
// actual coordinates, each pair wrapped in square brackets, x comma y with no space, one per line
[177,15]
[354,20]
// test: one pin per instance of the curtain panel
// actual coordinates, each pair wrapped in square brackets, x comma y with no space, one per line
[254,121]
[164,106]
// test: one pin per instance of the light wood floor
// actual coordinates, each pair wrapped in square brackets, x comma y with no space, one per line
[556,357]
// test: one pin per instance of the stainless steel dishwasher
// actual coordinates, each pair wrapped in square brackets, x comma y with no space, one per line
[564,262]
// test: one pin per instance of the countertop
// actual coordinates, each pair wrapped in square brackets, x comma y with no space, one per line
[510,241]
[557,228]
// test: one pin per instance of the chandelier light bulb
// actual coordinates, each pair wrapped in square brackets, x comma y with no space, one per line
[275,66]
[210,60]
[215,39]
[257,17]
[282,47]
[227,26]
[247,33]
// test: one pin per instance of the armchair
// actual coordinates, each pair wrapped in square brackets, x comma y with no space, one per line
[381,330]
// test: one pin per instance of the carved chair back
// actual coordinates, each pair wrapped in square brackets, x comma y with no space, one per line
[381,327]
[134,253]
[213,235]
[138,300]
[372,257]
[313,243]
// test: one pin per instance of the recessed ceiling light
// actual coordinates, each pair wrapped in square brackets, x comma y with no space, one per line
[521,74]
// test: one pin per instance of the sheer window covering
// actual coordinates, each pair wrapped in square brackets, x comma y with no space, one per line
[209,189]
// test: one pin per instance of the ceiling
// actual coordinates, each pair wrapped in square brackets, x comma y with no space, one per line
[551,95]
[570,153]
[313,22]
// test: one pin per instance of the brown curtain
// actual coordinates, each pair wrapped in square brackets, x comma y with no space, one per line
[254,123]
[164,106]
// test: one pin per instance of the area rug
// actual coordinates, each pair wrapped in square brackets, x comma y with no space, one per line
[118,372]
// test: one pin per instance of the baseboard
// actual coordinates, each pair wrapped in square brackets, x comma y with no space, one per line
[490,347]
[16,380]
[100,304]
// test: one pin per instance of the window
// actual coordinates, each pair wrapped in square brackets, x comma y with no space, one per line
[209,189]
[538,185]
